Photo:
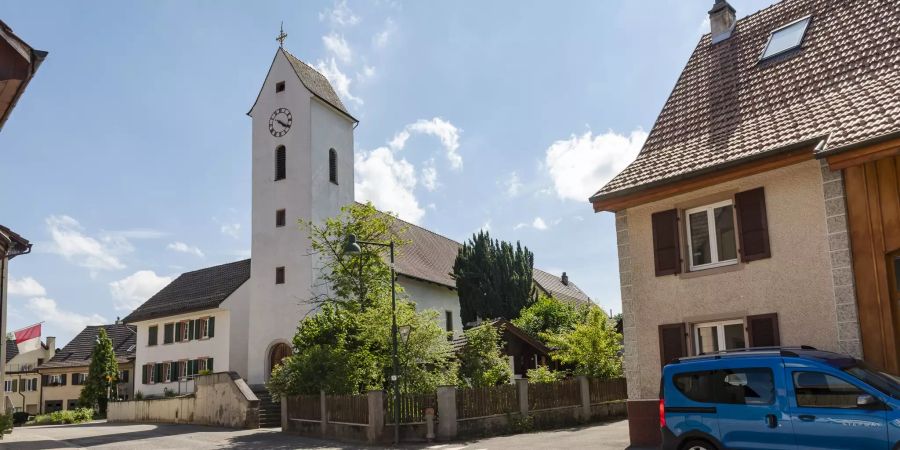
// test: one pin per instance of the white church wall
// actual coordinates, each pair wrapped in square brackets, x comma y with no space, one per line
[216,347]
[435,297]
[238,306]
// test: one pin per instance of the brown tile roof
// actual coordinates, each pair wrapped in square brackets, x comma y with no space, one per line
[553,286]
[194,291]
[317,83]
[842,86]
[77,352]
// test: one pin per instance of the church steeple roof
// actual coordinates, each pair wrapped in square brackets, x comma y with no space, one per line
[316,83]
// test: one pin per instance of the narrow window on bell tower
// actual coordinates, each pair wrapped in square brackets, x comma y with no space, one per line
[332,166]
[280,163]
[279,86]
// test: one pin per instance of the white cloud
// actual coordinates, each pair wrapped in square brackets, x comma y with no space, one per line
[336,44]
[381,39]
[388,183]
[26,287]
[339,15]
[339,80]
[429,176]
[367,73]
[231,229]
[138,233]
[438,127]
[581,165]
[538,224]
[513,185]
[70,241]
[184,248]
[48,310]
[136,288]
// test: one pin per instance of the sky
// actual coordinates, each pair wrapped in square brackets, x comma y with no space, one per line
[127,161]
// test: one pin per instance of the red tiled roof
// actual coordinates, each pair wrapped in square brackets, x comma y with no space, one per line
[840,88]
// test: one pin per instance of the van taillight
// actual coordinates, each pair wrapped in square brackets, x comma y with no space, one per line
[662,413]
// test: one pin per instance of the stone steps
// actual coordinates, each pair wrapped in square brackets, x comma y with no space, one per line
[269,410]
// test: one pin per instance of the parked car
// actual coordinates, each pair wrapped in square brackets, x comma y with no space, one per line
[778,398]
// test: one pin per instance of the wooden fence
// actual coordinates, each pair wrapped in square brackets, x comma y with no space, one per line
[304,407]
[412,407]
[554,395]
[607,390]
[348,408]
[486,401]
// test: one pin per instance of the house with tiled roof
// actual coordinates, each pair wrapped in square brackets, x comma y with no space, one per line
[764,207]
[63,375]
[242,316]
[22,382]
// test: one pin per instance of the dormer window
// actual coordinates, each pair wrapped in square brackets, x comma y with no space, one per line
[786,38]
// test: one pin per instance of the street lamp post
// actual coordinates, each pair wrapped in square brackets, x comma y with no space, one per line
[353,247]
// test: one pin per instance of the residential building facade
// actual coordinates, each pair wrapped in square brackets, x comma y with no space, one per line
[22,384]
[302,169]
[63,375]
[11,245]
[764,208]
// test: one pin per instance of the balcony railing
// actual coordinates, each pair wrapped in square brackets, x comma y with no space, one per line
[20,367]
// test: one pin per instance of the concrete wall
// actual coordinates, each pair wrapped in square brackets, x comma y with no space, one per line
[238,306]
[306,193]
[796,282]
[220,399]
[216,347]
[432,296]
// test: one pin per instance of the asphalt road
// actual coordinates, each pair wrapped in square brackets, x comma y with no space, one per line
[611,436]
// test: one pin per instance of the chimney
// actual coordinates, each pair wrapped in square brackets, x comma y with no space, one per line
[51,344]
[721,21]
[565,279]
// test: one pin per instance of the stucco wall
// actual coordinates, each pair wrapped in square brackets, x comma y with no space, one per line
[431,296]
[795,282]
[216,347]
[221,399]
[238,306]
[72,392]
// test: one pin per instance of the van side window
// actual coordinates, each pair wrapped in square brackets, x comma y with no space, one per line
[697,386]
[820,390]
[751,386]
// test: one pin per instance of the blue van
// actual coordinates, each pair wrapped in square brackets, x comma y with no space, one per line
[778,398]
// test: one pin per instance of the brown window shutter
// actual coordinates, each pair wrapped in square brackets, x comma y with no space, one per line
[672,343]
[666,243]
[762,330]
[753,227]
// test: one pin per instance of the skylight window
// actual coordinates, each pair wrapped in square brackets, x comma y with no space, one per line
[786,38]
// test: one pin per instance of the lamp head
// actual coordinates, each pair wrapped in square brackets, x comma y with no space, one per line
[351,247]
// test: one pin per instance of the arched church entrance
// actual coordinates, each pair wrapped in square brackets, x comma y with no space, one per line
[279,352]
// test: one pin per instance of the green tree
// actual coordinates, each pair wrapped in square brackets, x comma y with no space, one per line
[593,347]
[103,373]
[482,362]
[354,280]
[548,315]
[544,374]
[493,278]
[346,346]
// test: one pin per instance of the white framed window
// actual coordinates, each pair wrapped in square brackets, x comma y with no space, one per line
[711,337]
[201,365]
[203,324]
[31,384]
[7,386]
[182,369]
[167,372]
[711,236]
[54,380]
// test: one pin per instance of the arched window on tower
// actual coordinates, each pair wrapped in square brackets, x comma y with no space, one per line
[280,163]
[332,166]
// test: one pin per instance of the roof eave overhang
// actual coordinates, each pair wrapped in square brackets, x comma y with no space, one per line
[34,59]
[880,147]
[738,168]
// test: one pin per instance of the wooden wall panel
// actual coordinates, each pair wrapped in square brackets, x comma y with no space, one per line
[873,211]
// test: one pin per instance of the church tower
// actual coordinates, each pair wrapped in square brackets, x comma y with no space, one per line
[302,170]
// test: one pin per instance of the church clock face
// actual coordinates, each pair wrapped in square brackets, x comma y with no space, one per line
[280,122]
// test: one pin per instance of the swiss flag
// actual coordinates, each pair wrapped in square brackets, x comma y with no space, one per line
[28,339]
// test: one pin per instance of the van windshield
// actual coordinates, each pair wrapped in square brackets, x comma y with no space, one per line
[882,381]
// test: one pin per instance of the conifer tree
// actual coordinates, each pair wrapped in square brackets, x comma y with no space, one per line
[493,278]
[103,374]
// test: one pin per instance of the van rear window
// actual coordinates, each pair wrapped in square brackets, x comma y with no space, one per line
[750,386]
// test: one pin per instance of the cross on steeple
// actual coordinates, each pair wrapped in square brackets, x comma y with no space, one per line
[281,36]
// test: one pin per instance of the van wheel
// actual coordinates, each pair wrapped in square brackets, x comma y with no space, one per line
[697,444]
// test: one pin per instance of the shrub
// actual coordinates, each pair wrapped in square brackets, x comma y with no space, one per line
[6,424]
[138,395]
[79,415]
[168,393]
[20,417]
[204,372]
[544,374]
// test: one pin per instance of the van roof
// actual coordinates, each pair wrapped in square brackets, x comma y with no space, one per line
[802,352]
